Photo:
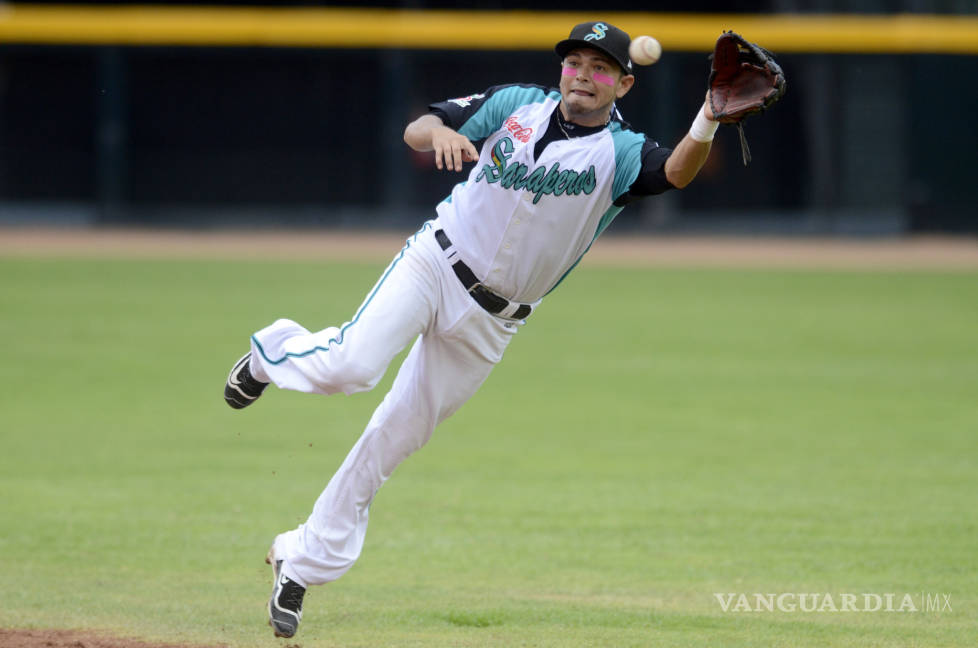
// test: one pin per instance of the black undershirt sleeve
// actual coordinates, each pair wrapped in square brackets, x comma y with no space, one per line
[651,178]
[455,112]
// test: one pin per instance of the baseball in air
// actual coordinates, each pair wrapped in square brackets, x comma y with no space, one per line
[644,50]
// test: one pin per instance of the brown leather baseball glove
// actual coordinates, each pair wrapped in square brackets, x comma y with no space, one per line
[744,80]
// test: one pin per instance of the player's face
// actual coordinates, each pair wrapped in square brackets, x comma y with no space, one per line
[589,83]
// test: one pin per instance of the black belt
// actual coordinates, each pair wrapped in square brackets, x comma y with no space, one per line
[486,298]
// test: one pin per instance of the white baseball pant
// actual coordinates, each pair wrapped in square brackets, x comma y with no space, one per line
[457,345]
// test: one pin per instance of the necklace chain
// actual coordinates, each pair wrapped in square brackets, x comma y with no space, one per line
[560,124]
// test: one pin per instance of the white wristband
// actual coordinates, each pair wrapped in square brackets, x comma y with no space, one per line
[703,129]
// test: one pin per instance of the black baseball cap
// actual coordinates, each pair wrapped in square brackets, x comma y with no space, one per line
[601,36]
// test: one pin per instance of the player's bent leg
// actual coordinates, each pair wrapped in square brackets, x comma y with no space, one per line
[438,376]
[353,357]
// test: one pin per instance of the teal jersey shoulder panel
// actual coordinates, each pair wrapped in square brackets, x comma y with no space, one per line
[628,159]
[489,118]
[605,221]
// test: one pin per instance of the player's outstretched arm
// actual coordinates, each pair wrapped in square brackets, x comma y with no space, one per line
[690,154]
[429,133]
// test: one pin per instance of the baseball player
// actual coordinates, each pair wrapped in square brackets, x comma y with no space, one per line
[555,168]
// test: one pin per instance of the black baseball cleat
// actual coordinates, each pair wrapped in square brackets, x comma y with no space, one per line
[285,606]
[242,389]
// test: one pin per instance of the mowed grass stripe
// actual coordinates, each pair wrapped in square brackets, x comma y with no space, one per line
[652,437]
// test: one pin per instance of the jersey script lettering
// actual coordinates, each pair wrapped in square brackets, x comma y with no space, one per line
[542,181]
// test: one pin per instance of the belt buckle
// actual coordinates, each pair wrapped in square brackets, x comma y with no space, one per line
[487,298]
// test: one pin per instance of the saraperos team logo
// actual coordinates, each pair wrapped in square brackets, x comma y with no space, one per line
[598,30]
[541,181]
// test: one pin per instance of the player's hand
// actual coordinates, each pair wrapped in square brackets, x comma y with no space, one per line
[451,149]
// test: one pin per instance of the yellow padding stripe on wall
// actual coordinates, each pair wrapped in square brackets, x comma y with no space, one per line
[471,30]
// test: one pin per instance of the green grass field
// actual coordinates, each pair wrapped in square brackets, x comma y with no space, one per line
[652,438]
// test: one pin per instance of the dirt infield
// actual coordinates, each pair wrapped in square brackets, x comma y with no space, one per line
[939,253]
[75,639]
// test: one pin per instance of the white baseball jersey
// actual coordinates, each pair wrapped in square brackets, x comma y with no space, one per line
[543,190]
